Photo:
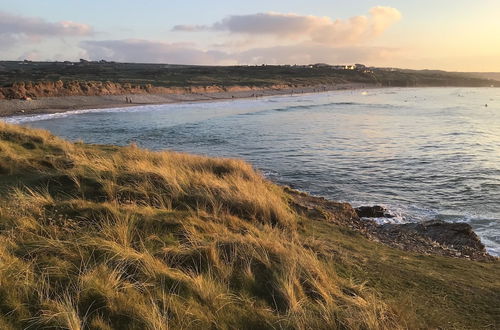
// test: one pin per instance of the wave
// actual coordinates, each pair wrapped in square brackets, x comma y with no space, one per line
[48,116]
[484,225]
[332,105]
[205,104]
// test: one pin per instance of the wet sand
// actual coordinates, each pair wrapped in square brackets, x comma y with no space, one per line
[68,103]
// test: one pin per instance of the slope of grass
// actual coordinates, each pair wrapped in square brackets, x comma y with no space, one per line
[190,75]
[102,237]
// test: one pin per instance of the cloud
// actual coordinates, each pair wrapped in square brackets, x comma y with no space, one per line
[189,28]
[272,38]
[138,50]
[383,18]
[308,54]
[322,30]
[15,28]
[7,40]
[271,23]
[134,50]
[261,23]
[32,55]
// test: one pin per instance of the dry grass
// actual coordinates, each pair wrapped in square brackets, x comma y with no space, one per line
[137,239]
[122,238]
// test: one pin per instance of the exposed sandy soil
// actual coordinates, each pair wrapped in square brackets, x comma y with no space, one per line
[53,104]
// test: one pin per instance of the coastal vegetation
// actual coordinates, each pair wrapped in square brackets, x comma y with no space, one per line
[106,237]
[40,79]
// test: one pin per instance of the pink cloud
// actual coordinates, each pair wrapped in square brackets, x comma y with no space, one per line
[145,51]
[323,30]
[15,28]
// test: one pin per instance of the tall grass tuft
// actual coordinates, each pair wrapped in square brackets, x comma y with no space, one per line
[123,238]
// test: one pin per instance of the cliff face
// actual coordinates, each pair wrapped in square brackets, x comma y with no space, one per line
[24,90]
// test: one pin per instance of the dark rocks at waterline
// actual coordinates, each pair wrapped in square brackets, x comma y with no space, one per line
[376,211]
[458,238]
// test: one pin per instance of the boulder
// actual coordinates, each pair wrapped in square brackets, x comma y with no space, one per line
[376,211]
[458,236]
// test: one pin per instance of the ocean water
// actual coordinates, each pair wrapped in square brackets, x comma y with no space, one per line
[424,153]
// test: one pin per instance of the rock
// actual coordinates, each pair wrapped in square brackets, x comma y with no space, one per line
[319,208]
[455,240]
[458,236]
[376,211]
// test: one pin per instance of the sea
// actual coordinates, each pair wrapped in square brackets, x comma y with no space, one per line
[423,153]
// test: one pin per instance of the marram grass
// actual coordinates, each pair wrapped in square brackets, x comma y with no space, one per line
[101,237]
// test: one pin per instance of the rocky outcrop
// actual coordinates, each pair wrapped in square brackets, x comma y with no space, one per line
[318,207]
[456,236]
[456,240]
[376,211]
[23,91]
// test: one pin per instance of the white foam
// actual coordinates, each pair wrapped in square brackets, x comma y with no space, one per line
[225,103]
[49,116]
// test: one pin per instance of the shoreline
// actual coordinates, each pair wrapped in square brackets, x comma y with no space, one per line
[432,237]
[59,104]
[395,235]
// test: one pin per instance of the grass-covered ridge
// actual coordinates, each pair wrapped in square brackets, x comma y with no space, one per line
[161,75]
[100,237]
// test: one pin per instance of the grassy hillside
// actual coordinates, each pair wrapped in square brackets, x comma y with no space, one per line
[102,237]
[162,75]
[487,75]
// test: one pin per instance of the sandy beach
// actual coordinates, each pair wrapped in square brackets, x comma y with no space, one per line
[67,103]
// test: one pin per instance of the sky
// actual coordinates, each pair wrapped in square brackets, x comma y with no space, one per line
[453,35]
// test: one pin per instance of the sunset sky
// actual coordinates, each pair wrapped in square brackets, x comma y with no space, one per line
[455,35]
